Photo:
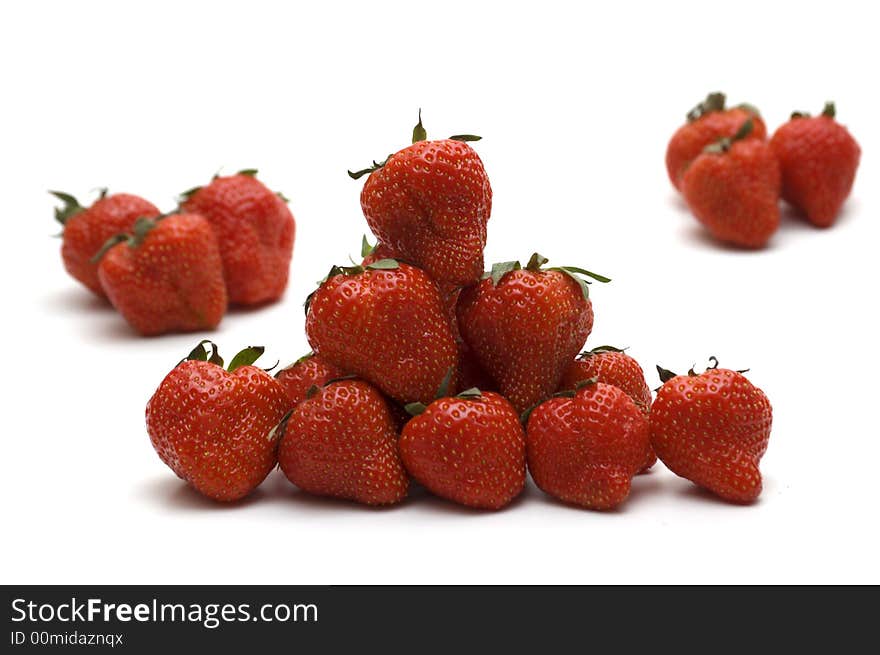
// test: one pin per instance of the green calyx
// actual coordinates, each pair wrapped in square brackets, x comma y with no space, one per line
[713,102]
[305,357]
[598,350]
[367,248]
[356,175]
[189,193]
[829,111]
[356,269]
[244,358]
[419,133]
[414,409]
[724,144]
[713,364]
[535,264]
[666,375]
[142,227]
[745,106]
[71,206]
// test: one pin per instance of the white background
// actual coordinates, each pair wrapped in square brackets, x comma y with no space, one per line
[575,104]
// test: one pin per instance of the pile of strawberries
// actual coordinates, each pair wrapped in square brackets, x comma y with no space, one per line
[424,368]
[732,176]
[229,241]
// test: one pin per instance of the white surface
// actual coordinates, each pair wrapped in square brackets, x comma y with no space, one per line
[575,105]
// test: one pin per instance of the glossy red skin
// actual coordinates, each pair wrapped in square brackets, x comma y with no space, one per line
[305,373]
[212,427]
[818,158]
[87,231]
[689,140]
[430,204]
[255,230]
[470,373]
[469,451]
[171,282]
[585,450]
[525,331]
[735,194]
[713,429]
[342,443]
[386,326]
[617,369]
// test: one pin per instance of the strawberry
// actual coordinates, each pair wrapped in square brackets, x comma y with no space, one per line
[470,374]
[706,123]
[469,449]
[166,276]
[341,441]
[87,229]
[612,366]
[385,323]
[429,203]
[255,230]
[525,325]
[306,372]
[215,427]
[733,189]
[585,446]
[712,429]
[818,158]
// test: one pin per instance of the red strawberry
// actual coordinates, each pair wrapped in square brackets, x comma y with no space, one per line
[712,429]
[255,230]
[429,203]
[306,372]
[166,276]
[526,325]
[215,428]
[706,123]
[87,229]
[733,189]
[612,366]
[585,446]
[818,158]
[470,374]
[385,323]
[341,441]
[469,449]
